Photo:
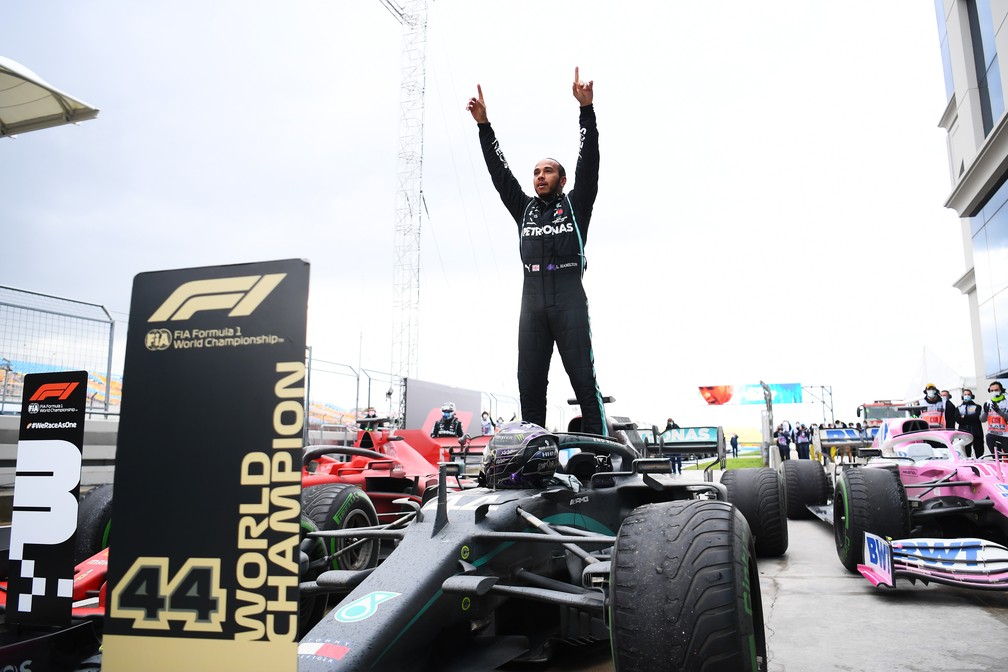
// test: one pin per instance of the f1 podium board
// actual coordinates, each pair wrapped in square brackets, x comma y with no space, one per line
[203,564]
[39,587]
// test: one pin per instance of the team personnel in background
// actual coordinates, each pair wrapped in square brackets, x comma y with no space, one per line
[932,400]
[968,415]
[802,439]
[994,413]
[734,445]
[783,439]
[677,457]
[448,425]
[950,410]
[553,230]
[370,419]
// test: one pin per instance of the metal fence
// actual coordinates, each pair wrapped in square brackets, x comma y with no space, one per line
[41,333]
[339,393]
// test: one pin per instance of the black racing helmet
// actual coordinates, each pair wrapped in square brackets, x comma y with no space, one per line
[520,455]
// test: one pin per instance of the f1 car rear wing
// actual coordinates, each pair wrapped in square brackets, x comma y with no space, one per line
[966,562]
[934,419]
[687,441]
[858,442]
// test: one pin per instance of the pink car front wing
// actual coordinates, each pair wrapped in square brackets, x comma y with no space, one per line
[965,562]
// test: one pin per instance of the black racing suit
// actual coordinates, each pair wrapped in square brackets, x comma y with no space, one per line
[554,306]
[969,421]
[447,427]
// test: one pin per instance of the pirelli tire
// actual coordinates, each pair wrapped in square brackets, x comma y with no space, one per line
[684,590]
[760,495]
[313,553]
[94,522]
[806,483]
[872,500]
[341,506]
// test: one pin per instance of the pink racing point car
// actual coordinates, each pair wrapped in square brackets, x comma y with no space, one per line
[923,511]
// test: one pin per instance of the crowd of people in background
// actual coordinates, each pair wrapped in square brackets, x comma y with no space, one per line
[968,416]
[801,436]
[450,425]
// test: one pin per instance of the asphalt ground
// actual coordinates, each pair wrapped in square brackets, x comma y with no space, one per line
[820,618]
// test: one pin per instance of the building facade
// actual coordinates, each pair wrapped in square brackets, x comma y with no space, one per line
[972,34]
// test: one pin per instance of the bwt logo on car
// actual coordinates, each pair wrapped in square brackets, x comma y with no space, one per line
[22,667]
[940,553]
[877,554]
[239,295]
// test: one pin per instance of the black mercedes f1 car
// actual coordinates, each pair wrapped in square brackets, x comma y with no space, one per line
[604,544]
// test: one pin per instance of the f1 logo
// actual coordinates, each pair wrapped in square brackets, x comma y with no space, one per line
[59,390]
[239,295]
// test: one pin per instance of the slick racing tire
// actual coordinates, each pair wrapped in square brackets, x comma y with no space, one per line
[806,483]
[867,500]
[759,494]
[685,591]
[340,506]
[94,522]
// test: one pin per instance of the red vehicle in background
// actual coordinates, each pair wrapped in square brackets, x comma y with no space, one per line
[385,474]
[874,413]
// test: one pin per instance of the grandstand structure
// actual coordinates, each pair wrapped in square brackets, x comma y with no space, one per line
[40,333]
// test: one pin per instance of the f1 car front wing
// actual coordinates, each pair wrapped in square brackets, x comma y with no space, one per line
[965,562]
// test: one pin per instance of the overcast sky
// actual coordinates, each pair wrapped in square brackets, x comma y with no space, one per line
[770,200]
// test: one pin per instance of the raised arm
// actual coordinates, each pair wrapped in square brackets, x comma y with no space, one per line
[477,108]
[586,173]
[504,181]
[582,91]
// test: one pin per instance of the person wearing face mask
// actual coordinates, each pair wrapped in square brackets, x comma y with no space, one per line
[994,414]
[950,410]
[933,402]
[486,425]
[968,416]
[448,425]
[370,419]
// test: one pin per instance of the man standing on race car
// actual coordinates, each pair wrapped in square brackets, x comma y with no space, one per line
[995,413]
[968,414]
[553,229]
[448,425]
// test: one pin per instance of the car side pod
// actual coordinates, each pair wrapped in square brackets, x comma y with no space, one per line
[965,562]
